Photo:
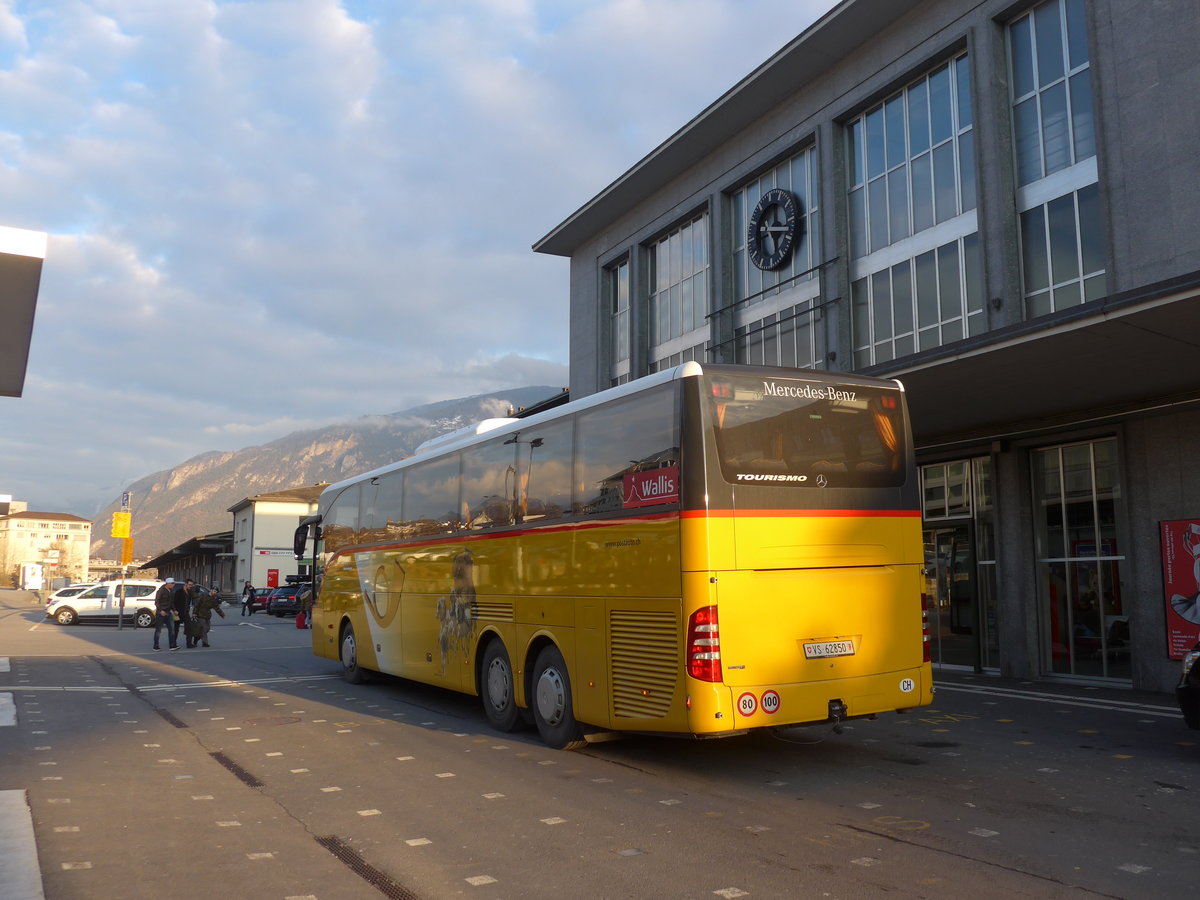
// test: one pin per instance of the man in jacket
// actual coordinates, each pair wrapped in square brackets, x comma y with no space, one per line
[164,613]
[202,612]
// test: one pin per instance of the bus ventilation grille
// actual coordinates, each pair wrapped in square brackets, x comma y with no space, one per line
[645,662]
[493,610]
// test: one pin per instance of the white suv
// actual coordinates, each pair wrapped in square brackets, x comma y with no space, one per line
[102,603]
[71,590]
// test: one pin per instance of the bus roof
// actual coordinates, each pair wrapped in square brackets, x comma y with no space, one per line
[491,428]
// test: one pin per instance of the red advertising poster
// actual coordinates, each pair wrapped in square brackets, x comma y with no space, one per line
[651,487]
[272,578]
[1181,583]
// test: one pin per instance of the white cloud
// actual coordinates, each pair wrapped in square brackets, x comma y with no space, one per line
[272,214]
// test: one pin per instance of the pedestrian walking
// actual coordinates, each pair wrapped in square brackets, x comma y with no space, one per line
[202,612]
[248,595]
[184,599]
[164,613]
[183,609]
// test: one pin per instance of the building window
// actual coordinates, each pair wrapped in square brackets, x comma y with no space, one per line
[616,290]
[679,292]
[916,271]
[917,304]
[776,310]
[1055,143]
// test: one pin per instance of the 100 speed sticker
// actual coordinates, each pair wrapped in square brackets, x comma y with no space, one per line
[748,703]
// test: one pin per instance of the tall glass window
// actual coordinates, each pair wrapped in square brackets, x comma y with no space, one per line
[616,289]
[958,510]
[916,270]
[1062,243]
[1078,512]
[776,313]
[679,304]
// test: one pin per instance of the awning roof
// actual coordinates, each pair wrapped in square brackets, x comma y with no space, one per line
[21,255]
[1125,353]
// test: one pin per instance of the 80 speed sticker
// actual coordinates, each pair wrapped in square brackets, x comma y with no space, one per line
[748,703]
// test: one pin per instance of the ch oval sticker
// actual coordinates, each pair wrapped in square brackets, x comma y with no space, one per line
[907,685]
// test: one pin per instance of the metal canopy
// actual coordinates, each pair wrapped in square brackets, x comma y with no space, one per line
[1102,360]
[21,255]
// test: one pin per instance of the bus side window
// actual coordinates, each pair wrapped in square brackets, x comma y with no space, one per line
[489,484]
[341,521]
[544,463]
[431,497]
[634,434]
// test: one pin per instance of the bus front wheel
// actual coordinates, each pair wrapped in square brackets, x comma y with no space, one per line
[351,670]
[496,691]
[552,706]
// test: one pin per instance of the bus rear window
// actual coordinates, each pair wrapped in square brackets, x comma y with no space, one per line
[793,432]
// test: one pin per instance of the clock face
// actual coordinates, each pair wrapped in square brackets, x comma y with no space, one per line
[774,228]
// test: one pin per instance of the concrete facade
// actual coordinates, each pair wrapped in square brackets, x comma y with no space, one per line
[1115,373]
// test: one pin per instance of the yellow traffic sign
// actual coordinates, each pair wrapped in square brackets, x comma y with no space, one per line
[127,551]
[121,524]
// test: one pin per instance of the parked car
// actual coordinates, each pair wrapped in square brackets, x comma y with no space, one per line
[102,603]
[71,590]
[1188,690]
[285,601]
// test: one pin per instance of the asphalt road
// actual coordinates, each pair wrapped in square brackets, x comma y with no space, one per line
[251,770]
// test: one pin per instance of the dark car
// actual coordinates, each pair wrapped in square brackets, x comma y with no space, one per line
[285,601]
[1188,690]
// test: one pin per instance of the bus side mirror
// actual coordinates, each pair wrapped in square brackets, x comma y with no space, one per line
[300,541]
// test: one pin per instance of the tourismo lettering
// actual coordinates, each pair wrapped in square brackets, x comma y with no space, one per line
[741,476]
[806,391]
[652,487]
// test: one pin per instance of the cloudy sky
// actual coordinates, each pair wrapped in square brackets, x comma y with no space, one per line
[268,215]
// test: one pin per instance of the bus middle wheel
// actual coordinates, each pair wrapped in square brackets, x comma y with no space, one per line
[497,690]
[553,708]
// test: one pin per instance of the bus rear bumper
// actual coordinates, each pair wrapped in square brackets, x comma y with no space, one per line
[719,708]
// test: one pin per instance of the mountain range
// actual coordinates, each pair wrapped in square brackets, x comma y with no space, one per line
[194,497]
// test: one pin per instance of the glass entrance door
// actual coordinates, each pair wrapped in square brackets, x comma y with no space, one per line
[950,584]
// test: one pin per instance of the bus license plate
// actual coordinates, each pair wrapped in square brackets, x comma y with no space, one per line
[829,648]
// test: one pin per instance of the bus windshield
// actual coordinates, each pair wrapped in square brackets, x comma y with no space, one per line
[791,431]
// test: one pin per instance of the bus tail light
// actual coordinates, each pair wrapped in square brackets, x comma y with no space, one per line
[704,645]
[926,647]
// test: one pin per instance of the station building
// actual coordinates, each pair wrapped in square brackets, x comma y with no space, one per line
[996,204]
[263,528]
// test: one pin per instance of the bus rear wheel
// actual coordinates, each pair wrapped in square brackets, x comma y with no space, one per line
[553,708]
[496,690]
[348,649]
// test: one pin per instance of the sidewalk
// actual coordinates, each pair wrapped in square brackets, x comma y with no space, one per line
[20,876]
[1055,690]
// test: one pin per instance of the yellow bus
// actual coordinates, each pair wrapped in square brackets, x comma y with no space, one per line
[704,551]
